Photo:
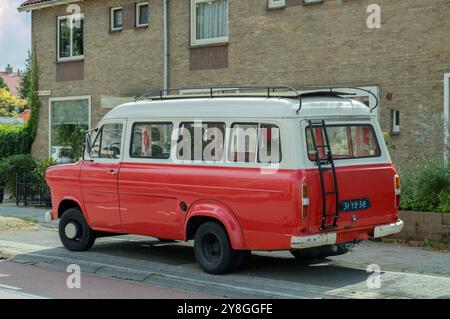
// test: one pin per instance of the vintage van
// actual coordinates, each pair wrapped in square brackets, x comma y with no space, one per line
[304,172]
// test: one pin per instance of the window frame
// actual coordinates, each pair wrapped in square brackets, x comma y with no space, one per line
[138,15]
[130,154]
[114,9]
[346,125]
[58,31]
[193,18]
[62,99]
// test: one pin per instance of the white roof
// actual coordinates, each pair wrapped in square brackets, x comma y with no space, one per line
[241,107]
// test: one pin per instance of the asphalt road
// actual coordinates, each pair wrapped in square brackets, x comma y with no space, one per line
[19,281]
[140,266]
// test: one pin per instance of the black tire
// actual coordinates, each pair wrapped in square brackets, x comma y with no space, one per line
[243,257]
[320,252]
[84,236]
[213,250]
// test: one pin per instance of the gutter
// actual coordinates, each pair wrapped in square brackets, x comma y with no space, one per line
[166,47]
[47,4]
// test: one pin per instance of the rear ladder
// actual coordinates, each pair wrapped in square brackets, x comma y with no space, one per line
[324,165]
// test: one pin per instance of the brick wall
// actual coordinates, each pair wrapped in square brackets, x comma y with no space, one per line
[424,226]
[321,44]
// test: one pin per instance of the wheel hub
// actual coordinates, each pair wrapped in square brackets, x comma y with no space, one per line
[71,230]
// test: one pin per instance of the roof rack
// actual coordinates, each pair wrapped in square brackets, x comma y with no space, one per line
[264,91]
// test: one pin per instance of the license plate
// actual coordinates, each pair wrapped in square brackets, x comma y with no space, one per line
[355,204]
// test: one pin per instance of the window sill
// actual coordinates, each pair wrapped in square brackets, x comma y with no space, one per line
[143,26]
[215,44]
[75,59]
[115,30]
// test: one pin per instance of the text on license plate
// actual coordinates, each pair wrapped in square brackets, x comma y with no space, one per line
[355,204]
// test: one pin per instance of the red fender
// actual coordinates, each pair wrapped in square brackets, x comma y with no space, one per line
[219,211]
[74,199]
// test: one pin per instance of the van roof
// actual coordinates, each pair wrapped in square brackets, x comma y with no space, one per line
[242,107]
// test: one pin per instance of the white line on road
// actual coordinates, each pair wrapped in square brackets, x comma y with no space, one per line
[10,287]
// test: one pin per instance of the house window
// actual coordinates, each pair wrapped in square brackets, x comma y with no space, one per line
[209,21]
[70,38]
[116,19]
[69,121]
[395,117]
[142,14]
[276,4]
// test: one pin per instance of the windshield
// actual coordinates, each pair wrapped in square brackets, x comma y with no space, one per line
[346,141]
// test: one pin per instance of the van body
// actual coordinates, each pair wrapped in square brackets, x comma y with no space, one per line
[332,184]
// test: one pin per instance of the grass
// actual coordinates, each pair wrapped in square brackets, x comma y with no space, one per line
[16,223]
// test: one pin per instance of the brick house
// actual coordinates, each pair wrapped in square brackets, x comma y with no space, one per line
[121,49]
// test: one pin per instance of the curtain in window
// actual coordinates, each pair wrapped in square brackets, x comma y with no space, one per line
[212,19]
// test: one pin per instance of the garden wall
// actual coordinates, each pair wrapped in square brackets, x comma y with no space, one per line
[424,226]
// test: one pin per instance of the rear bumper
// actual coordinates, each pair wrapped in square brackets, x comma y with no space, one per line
[326,239]
[386,230]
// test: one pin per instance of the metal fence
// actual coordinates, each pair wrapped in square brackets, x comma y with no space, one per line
[32,191]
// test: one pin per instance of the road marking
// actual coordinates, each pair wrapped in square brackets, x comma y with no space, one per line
[10,287]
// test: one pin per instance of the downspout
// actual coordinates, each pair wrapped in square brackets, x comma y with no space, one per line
[166,47]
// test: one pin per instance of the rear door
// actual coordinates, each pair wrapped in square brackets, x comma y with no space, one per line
[365,177]
[99,176]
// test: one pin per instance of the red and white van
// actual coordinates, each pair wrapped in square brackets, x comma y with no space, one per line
[236,173]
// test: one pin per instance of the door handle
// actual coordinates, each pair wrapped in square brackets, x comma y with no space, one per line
[112,172]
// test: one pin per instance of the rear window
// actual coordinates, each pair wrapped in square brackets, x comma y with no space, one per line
[346,142]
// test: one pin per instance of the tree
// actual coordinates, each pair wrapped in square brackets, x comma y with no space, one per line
[3,84]
[25,78]
[10,105]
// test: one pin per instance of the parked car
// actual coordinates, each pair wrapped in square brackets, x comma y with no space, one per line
[309,173]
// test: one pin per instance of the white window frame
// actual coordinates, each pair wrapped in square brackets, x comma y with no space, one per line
[138,14]
[61,99]
[112,19]
[194,41]
[71,57]
[276,4]
[395,115]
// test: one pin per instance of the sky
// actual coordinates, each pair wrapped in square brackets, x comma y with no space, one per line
[15,34]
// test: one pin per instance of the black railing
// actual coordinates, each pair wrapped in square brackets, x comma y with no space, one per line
[32,191]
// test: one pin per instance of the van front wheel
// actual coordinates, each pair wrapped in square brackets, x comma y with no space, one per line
[213,250]
[74,232]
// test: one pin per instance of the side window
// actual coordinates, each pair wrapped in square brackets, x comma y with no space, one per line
[249,139]
[108,143]
[243,143]
[269,149]
[201,141]
[111,141]
[151,140]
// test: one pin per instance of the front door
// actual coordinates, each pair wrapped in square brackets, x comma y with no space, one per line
[99,176]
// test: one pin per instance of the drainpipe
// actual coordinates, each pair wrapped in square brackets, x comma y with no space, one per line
[166,46]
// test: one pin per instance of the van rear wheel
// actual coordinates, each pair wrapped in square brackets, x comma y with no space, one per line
[74,232]
[213,250]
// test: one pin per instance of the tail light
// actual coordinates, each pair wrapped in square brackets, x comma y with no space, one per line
[398,190]
[305,201]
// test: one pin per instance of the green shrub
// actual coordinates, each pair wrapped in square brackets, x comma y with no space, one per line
[16,164]
[14,140]
[426,186]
